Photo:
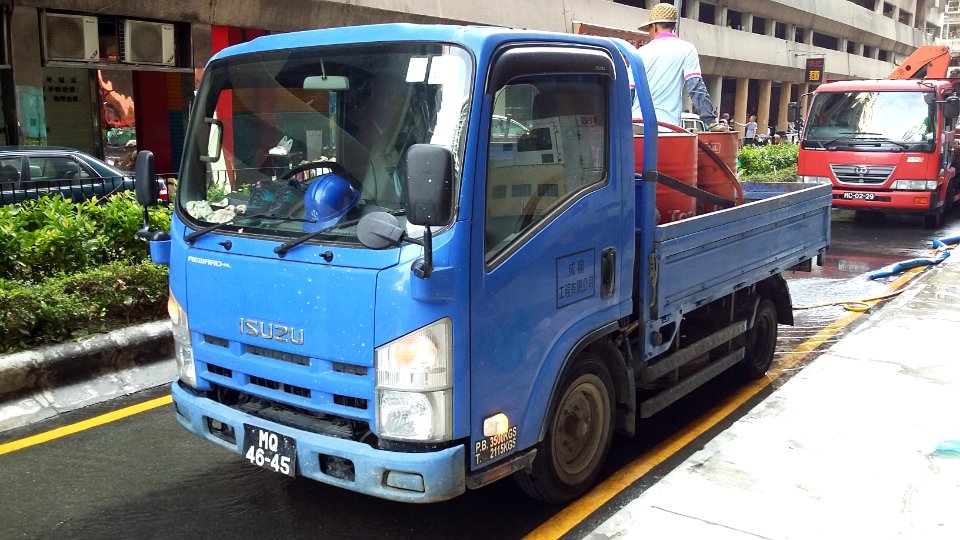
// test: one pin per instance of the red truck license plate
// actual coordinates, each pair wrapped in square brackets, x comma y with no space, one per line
[859,196]
[270,450]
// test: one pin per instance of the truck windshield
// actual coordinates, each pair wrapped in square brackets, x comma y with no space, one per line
[307,140]
[878,121]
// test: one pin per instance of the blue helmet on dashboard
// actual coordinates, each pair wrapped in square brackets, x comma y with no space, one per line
[328,199]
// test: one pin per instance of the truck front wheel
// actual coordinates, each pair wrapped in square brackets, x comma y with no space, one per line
[578,434]
[761,341]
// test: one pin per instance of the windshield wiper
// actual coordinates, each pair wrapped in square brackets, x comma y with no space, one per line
[865,136]
[283,248]
[192,237]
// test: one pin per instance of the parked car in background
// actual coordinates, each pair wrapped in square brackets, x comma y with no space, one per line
[692,123]
[30,172]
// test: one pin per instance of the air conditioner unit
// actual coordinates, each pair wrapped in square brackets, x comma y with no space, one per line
[148,43]
[71,37]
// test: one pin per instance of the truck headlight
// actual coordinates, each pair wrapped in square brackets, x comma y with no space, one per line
[182,345]
[814,179]
[414,396]
[915,185]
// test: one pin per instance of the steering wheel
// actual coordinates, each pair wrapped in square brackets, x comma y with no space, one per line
[337,168]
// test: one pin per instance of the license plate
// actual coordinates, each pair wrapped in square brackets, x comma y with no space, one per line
[859,196]
[270,450]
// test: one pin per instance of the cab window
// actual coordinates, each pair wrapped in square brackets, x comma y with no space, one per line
[557,155]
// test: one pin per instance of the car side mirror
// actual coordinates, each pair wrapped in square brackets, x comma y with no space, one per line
[951,107]
[428,174]
[145,180]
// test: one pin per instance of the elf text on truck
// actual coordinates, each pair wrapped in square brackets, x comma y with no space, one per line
[374,287]
[884,145]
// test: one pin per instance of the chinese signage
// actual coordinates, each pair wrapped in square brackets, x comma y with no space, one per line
[814,70]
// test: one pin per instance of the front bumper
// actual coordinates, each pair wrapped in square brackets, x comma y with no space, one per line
[901,201]
[442,472]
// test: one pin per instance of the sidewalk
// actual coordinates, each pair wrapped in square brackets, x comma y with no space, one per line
[857,445]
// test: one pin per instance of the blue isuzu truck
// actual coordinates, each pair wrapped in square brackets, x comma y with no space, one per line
[411,260]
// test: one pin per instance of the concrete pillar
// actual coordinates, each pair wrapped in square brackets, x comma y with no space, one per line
[715,87]
[808,36]
[804,99]
[785,89]
[878,7]
[693,9]
[740,103]
[842,44]
[746,22]
[791,32]
[720,16]
[763,106]
[27,78]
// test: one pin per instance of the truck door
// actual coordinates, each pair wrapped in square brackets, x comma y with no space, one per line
[548,229]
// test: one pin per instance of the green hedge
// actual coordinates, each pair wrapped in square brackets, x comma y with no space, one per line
[769,163]
[62,308]
[52,236]
[68,270]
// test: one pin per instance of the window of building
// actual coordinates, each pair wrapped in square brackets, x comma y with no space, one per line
[780,30]
[905,17]
[953,6]
[825,41]
[866,4]
[868,51]
[759,25]
[708,13]
[888,9]
[883,55]
[734,19]
[852,47]
[559,156]
[799,35]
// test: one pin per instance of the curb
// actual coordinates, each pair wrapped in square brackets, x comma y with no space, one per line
[55,365]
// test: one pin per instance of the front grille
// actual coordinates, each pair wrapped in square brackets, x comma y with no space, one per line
[347,401]
[283,387]
[862,174]
[221,371]
[218,341]
[349,369]
[291,358]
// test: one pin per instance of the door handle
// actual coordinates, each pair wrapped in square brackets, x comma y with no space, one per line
[608,272]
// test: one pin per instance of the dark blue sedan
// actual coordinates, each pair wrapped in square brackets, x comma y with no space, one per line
[30,172]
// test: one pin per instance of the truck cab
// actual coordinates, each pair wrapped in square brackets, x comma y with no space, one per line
[884,145]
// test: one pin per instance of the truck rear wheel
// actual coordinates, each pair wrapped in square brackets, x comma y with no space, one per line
[761,341]
[578,434]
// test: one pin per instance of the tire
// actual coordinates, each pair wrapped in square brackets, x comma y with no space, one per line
[932,221]
[578,436]
[761,342]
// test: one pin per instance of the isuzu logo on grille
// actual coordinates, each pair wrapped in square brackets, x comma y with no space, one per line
[276,332]
[861,170]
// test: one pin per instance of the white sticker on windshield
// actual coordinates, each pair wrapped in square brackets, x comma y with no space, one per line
[417,69]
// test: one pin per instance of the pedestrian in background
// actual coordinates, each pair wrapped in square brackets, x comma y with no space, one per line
[750,133]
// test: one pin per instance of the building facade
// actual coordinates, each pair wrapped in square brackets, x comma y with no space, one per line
[111,77]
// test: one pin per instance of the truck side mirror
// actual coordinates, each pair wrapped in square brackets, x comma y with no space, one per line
[428,171]
[792,111]
[951,108]
[145,180]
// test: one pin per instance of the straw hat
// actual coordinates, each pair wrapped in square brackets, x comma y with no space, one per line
[661,13]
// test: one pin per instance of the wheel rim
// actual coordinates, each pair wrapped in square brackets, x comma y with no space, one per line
[579,426]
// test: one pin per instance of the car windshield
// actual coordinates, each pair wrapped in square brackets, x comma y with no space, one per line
[309,140]
[870,120]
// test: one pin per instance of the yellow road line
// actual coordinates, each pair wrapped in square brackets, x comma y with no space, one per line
[47,436]
[571,516]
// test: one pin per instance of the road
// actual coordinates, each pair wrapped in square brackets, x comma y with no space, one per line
[145,477]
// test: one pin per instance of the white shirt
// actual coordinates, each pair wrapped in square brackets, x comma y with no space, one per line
[669,61]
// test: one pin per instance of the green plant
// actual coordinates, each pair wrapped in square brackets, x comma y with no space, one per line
[68,307]
[52,236]
[768,159]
